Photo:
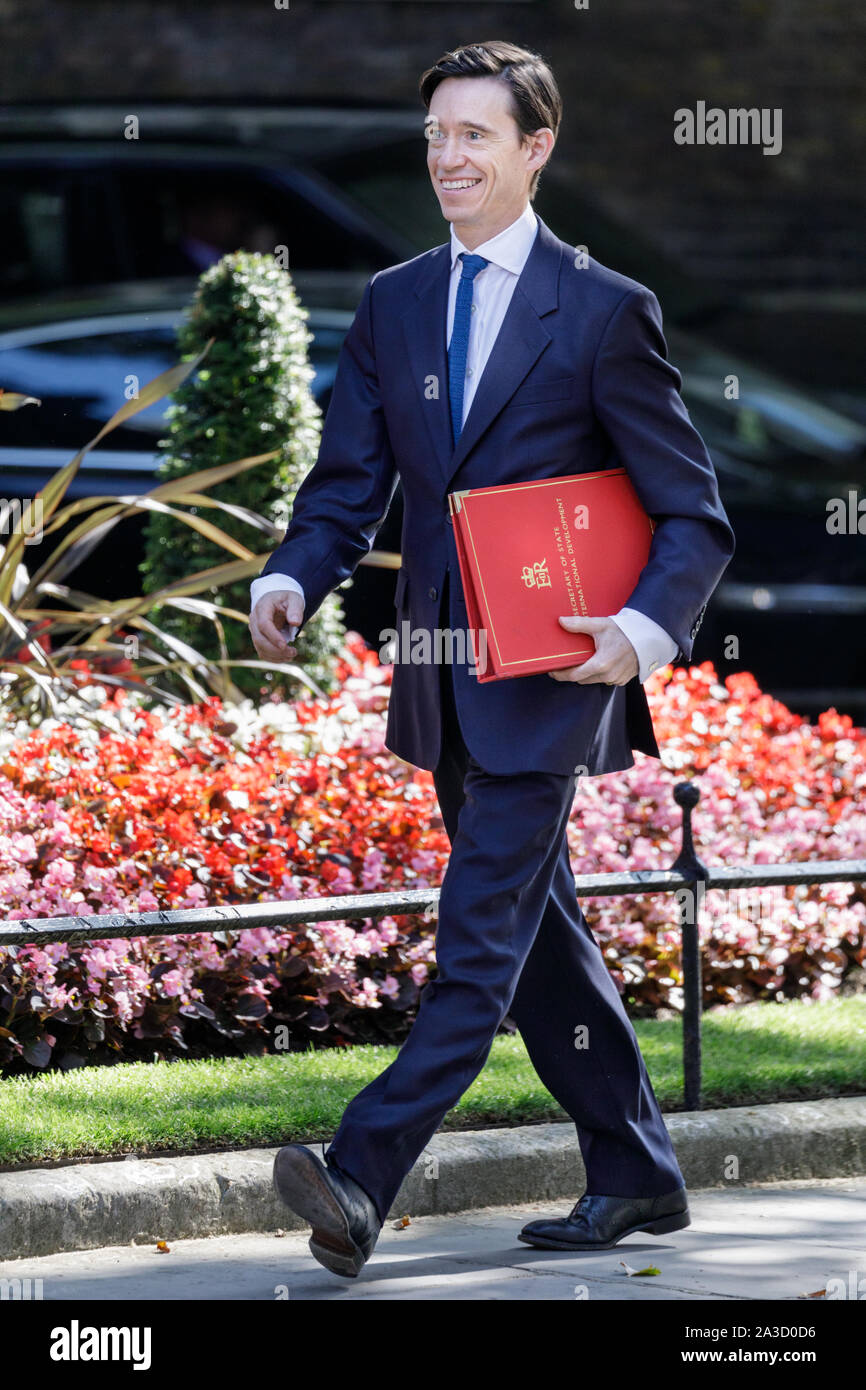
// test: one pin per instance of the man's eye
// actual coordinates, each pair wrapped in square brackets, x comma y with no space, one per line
[433,134]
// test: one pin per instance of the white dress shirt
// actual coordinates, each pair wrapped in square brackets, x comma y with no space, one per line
[493,287]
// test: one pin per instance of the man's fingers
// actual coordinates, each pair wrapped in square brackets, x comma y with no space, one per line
[271,633]
[279,614]
[595,672]
[614,660]
[274,622]
[268,649]
[265,632]
[586,674]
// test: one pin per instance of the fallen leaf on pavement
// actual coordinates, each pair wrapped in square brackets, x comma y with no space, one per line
[637,1273]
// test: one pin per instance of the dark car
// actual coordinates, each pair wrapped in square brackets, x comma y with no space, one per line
[99,212]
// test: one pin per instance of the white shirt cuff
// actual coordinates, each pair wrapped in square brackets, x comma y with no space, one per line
[269,584]
[653,645]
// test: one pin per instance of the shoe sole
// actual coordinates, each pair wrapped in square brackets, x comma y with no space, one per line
[300,1182]
[663,1226]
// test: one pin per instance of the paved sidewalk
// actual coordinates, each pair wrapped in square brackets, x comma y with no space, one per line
[47,1211]
[773,1242]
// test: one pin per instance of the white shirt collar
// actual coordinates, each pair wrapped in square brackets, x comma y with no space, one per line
[509,249]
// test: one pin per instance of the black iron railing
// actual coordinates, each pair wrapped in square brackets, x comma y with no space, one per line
[687,876]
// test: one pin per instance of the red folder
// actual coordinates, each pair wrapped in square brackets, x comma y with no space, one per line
[532,552]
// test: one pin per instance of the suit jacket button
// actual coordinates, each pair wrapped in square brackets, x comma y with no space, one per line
[433,592]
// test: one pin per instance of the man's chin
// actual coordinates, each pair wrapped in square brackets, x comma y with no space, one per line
[465,216]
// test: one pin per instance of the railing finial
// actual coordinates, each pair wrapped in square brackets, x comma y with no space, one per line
[687,795]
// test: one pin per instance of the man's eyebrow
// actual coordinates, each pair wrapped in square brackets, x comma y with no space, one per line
[466,125]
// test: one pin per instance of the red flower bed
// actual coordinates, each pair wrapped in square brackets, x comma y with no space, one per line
[209,804]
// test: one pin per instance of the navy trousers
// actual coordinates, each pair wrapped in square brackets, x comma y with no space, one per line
[511,939]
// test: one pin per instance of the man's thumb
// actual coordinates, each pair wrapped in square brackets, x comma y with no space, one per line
[575,624]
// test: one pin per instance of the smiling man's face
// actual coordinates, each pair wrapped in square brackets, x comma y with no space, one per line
[480,169]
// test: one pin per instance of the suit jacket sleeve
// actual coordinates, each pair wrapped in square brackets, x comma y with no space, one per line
[345,497]
[636,399]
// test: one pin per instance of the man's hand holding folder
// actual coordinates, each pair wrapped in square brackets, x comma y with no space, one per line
[528,552]
[615,661]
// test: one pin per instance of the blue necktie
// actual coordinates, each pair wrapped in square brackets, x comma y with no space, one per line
[459,345]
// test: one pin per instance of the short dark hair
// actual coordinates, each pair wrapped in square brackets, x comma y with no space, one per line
[535,99]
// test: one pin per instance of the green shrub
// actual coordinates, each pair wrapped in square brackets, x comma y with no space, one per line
[253,395]
[51,633]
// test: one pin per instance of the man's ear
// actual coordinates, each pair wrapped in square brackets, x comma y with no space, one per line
[543,131]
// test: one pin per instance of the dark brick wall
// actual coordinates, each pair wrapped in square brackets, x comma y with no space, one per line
[732,214]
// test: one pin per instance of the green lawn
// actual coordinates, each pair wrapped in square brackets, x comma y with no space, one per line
[762,1052]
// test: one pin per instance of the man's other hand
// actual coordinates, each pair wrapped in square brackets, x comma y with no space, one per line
[274,619]
[615,660]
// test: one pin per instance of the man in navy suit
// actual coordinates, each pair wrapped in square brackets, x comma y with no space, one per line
[502,356]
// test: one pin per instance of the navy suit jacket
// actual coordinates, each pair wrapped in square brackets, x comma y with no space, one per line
[577,380]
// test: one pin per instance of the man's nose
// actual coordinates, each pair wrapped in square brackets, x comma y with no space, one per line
[451,156]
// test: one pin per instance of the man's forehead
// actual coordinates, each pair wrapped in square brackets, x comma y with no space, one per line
[487,95]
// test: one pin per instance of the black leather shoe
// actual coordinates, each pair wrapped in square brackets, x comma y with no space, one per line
[344,1219]
[597,1223]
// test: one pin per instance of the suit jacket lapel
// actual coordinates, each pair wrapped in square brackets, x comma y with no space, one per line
[424,325]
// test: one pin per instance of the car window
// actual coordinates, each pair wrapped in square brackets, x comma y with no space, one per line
[82,377]
[57,231]
[82,381]
[129,221]
[180,222]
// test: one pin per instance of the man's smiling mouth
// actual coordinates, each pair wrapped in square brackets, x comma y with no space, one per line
[452,185]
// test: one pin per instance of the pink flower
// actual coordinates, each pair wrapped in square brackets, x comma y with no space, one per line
[171,984]
[366,996]
[291,799]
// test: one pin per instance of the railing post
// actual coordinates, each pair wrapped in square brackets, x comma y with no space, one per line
[687,795]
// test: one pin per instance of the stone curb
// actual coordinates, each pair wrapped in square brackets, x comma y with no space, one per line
[86,1206]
